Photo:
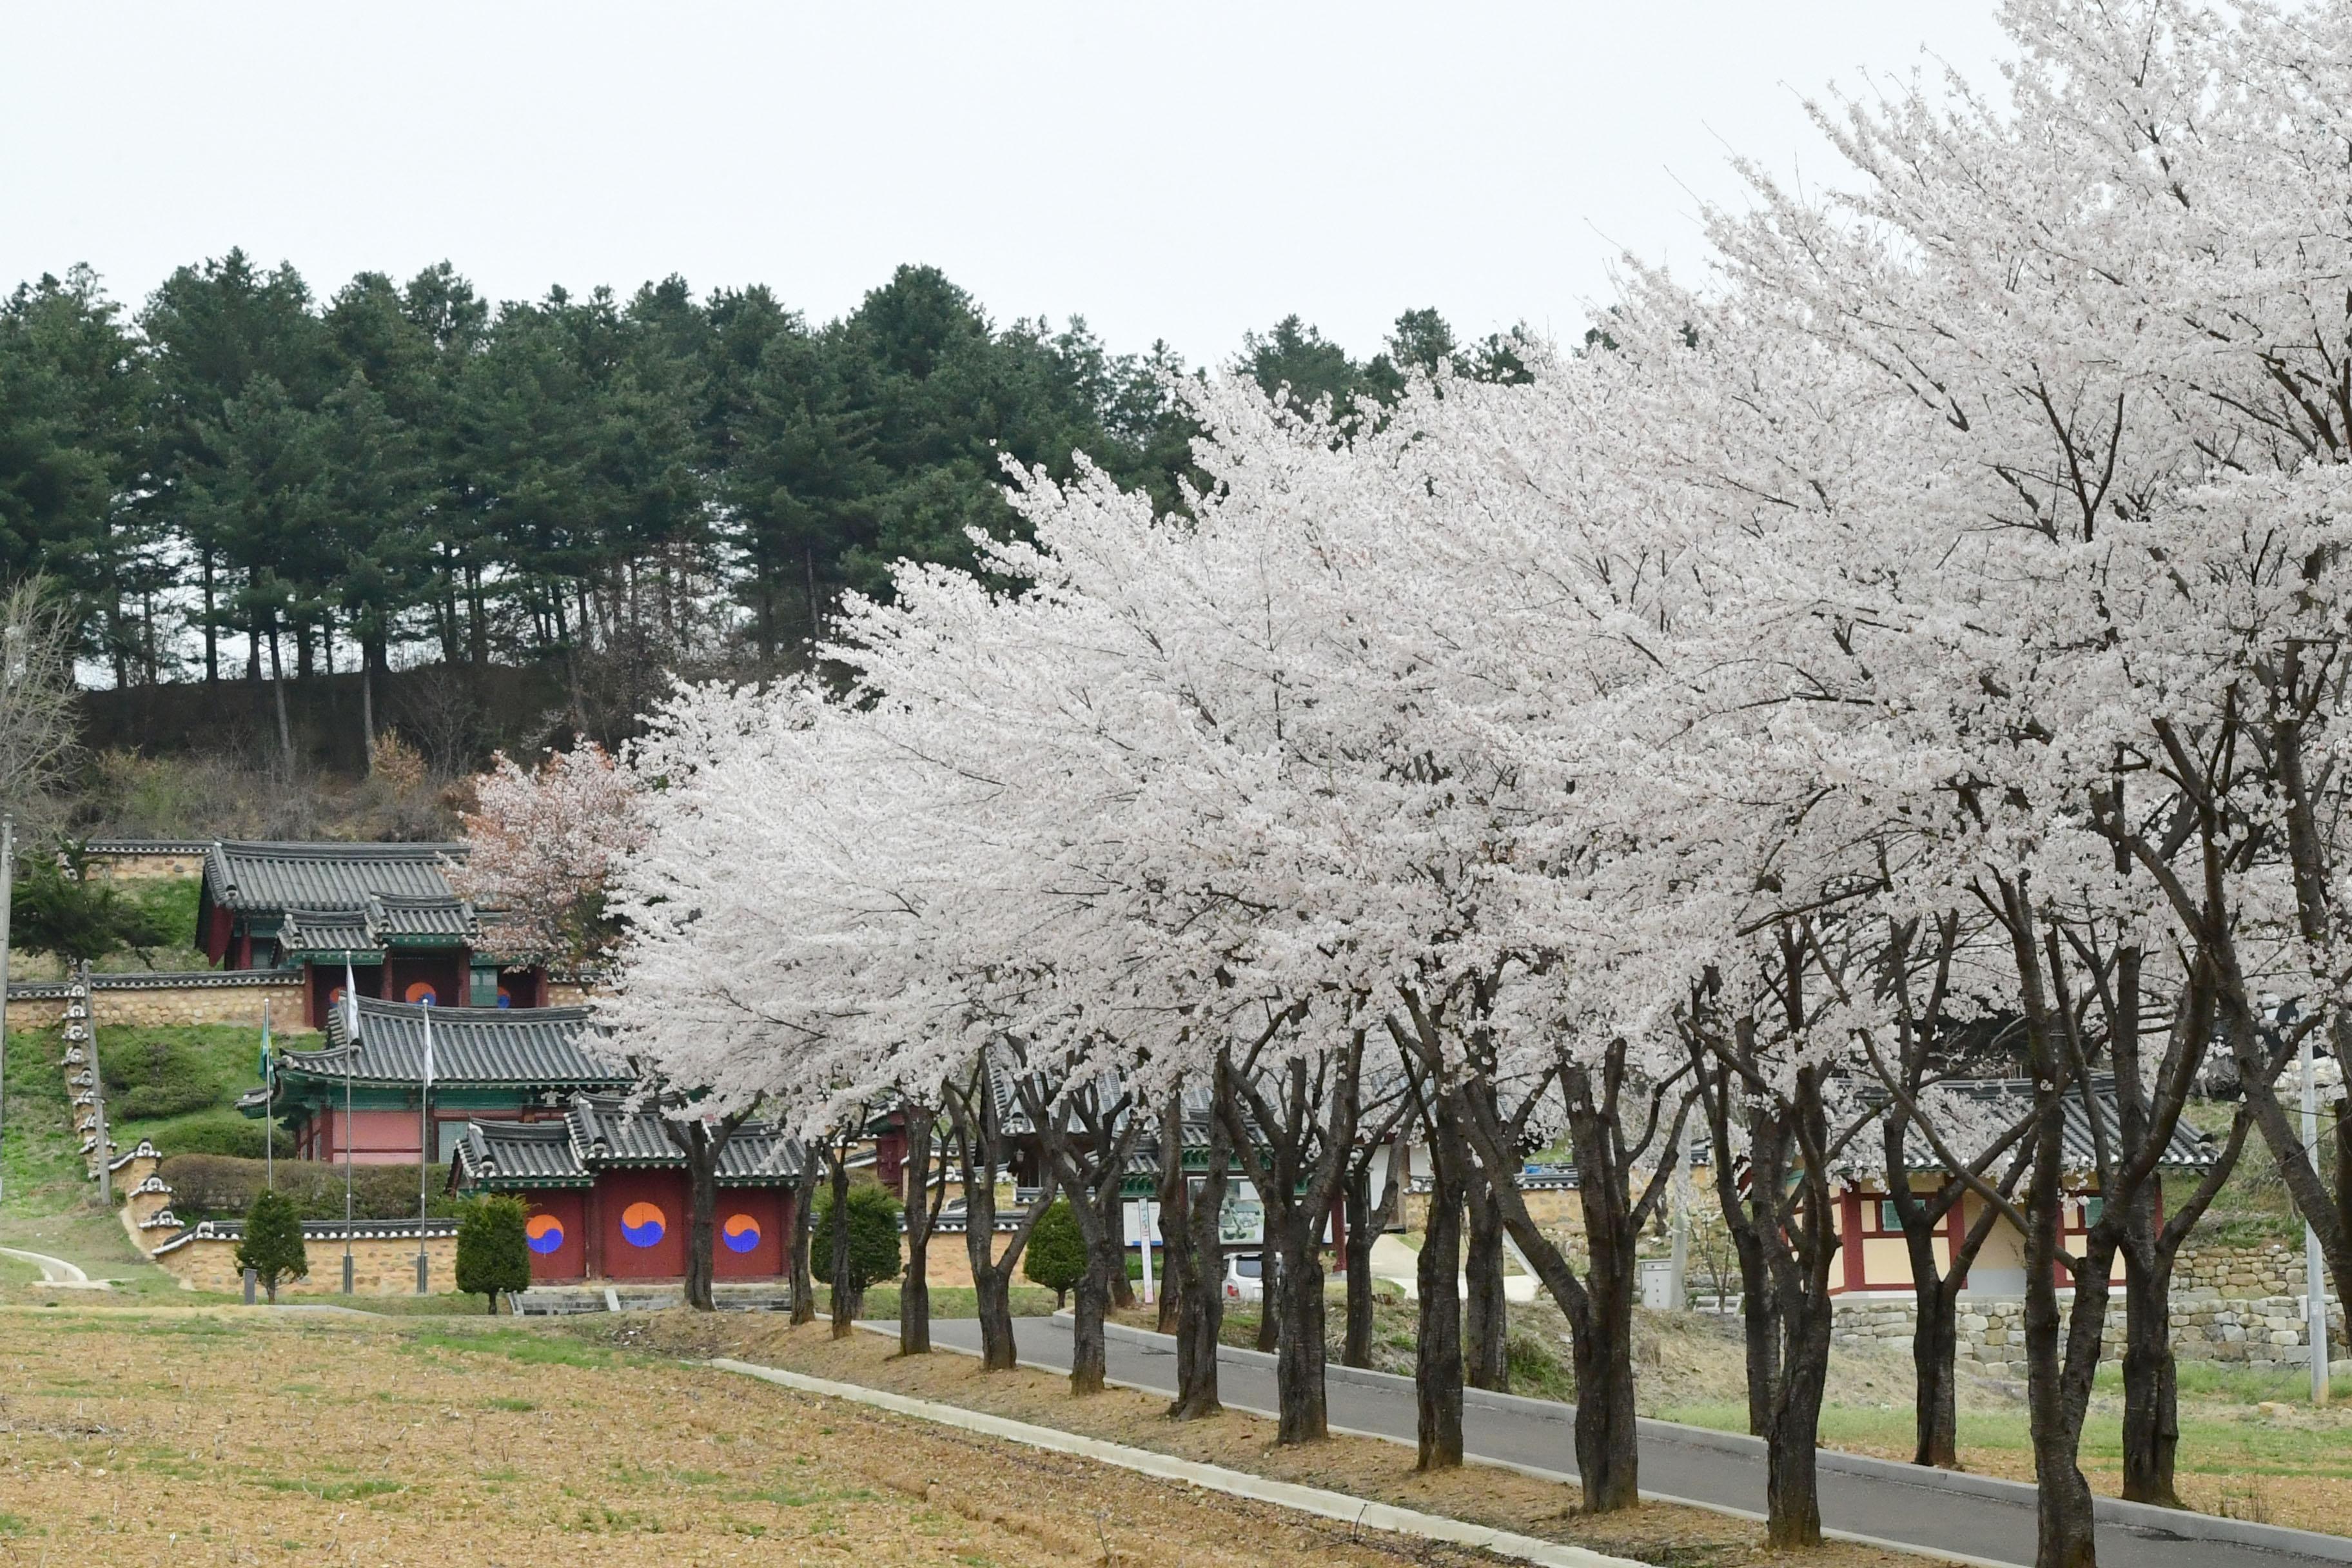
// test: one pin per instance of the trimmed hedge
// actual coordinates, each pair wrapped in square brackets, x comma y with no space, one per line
[218,1132]
[215,1187]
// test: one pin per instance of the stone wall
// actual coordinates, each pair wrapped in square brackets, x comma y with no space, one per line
[136,862]
[1553,1208]
[155,1000]
[2264,1333]
[381,1267]
[2269,1268]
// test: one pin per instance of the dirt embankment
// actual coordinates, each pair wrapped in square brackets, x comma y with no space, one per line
[1365,1468]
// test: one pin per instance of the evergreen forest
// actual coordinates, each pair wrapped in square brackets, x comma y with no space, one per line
[247,483]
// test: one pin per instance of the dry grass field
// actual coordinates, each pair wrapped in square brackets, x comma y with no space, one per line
[1360,1467]
[131,1439]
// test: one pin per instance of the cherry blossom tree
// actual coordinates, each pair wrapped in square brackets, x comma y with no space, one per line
[543,844]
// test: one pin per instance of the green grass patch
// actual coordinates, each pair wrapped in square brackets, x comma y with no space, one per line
[948,1301]
[178,1086]
[42,1167]
[518,1345]
[2211,1442]
[333,1491]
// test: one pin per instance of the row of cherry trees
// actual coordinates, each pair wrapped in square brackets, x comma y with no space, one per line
[1919,647]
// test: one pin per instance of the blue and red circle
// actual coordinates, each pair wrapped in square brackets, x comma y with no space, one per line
[740,1232]
[544,1232]
[643,1225]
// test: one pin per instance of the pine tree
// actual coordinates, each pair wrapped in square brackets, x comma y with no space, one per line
[272,1247]
[1057,1252]
[874,1255]
[493,1254]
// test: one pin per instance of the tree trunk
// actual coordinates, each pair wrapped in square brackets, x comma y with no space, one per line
[980,1153]
[278,689]
[212,627]
[804,1227]
[1195,1256]
[992,1291]
[370,656]
[1302,1415]
[2151,1385]
[2064,1536]
[1363,1226]
[1485,1353]
[845,1300]
[702,1223]
[1934,1342]
[1793,1505]
[1601,1346]
[915,1290]
[1759,1327]
[1088,1345]
[1269,1322]
[1437,1342]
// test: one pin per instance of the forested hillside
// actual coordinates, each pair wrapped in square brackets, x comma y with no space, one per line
[555,501]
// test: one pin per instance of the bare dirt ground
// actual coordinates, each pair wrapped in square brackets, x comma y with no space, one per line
[2250,1446]
[140,1438]
[1683,1538]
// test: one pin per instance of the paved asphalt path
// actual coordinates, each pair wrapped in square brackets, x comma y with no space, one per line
[1679,1463]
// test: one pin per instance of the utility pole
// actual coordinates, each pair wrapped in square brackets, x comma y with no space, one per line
[1678,1272]
[8,900]
[2314,1267]
[425,1150]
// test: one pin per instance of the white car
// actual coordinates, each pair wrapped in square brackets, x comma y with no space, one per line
[1244,1277]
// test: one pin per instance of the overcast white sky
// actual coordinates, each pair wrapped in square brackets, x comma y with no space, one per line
[1185,170]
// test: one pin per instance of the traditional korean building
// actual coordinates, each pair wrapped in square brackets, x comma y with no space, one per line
[1873,1256]
[385,910]
[363,1095]
[608,1193]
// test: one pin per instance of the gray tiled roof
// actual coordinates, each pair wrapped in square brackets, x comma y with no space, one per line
[2008,1099]
[378,923]
[520,1154]
[249,876]
[601,1131]
[444,917]
[540,1047]
[327,931]
[607,1133]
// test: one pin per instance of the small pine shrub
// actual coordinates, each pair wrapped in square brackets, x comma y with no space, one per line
[874,1254]
[272,1247]
[1056,1257]
[493,1254]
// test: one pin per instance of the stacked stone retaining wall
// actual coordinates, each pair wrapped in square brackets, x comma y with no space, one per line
[381,1266]
[146,1001]
[2262,1333]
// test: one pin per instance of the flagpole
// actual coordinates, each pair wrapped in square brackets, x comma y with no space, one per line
[268,1108]
[351,1061]
[424,1146]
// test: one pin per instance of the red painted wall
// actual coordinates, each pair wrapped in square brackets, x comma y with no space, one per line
[326,979]
[524,987]
[569,1261]
[375,1137]
[771,1209]
[617,1192]
[446,972]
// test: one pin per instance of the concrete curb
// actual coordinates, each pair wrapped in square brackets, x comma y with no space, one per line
[2143,1518]
[1355,1511]
[54,1271]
